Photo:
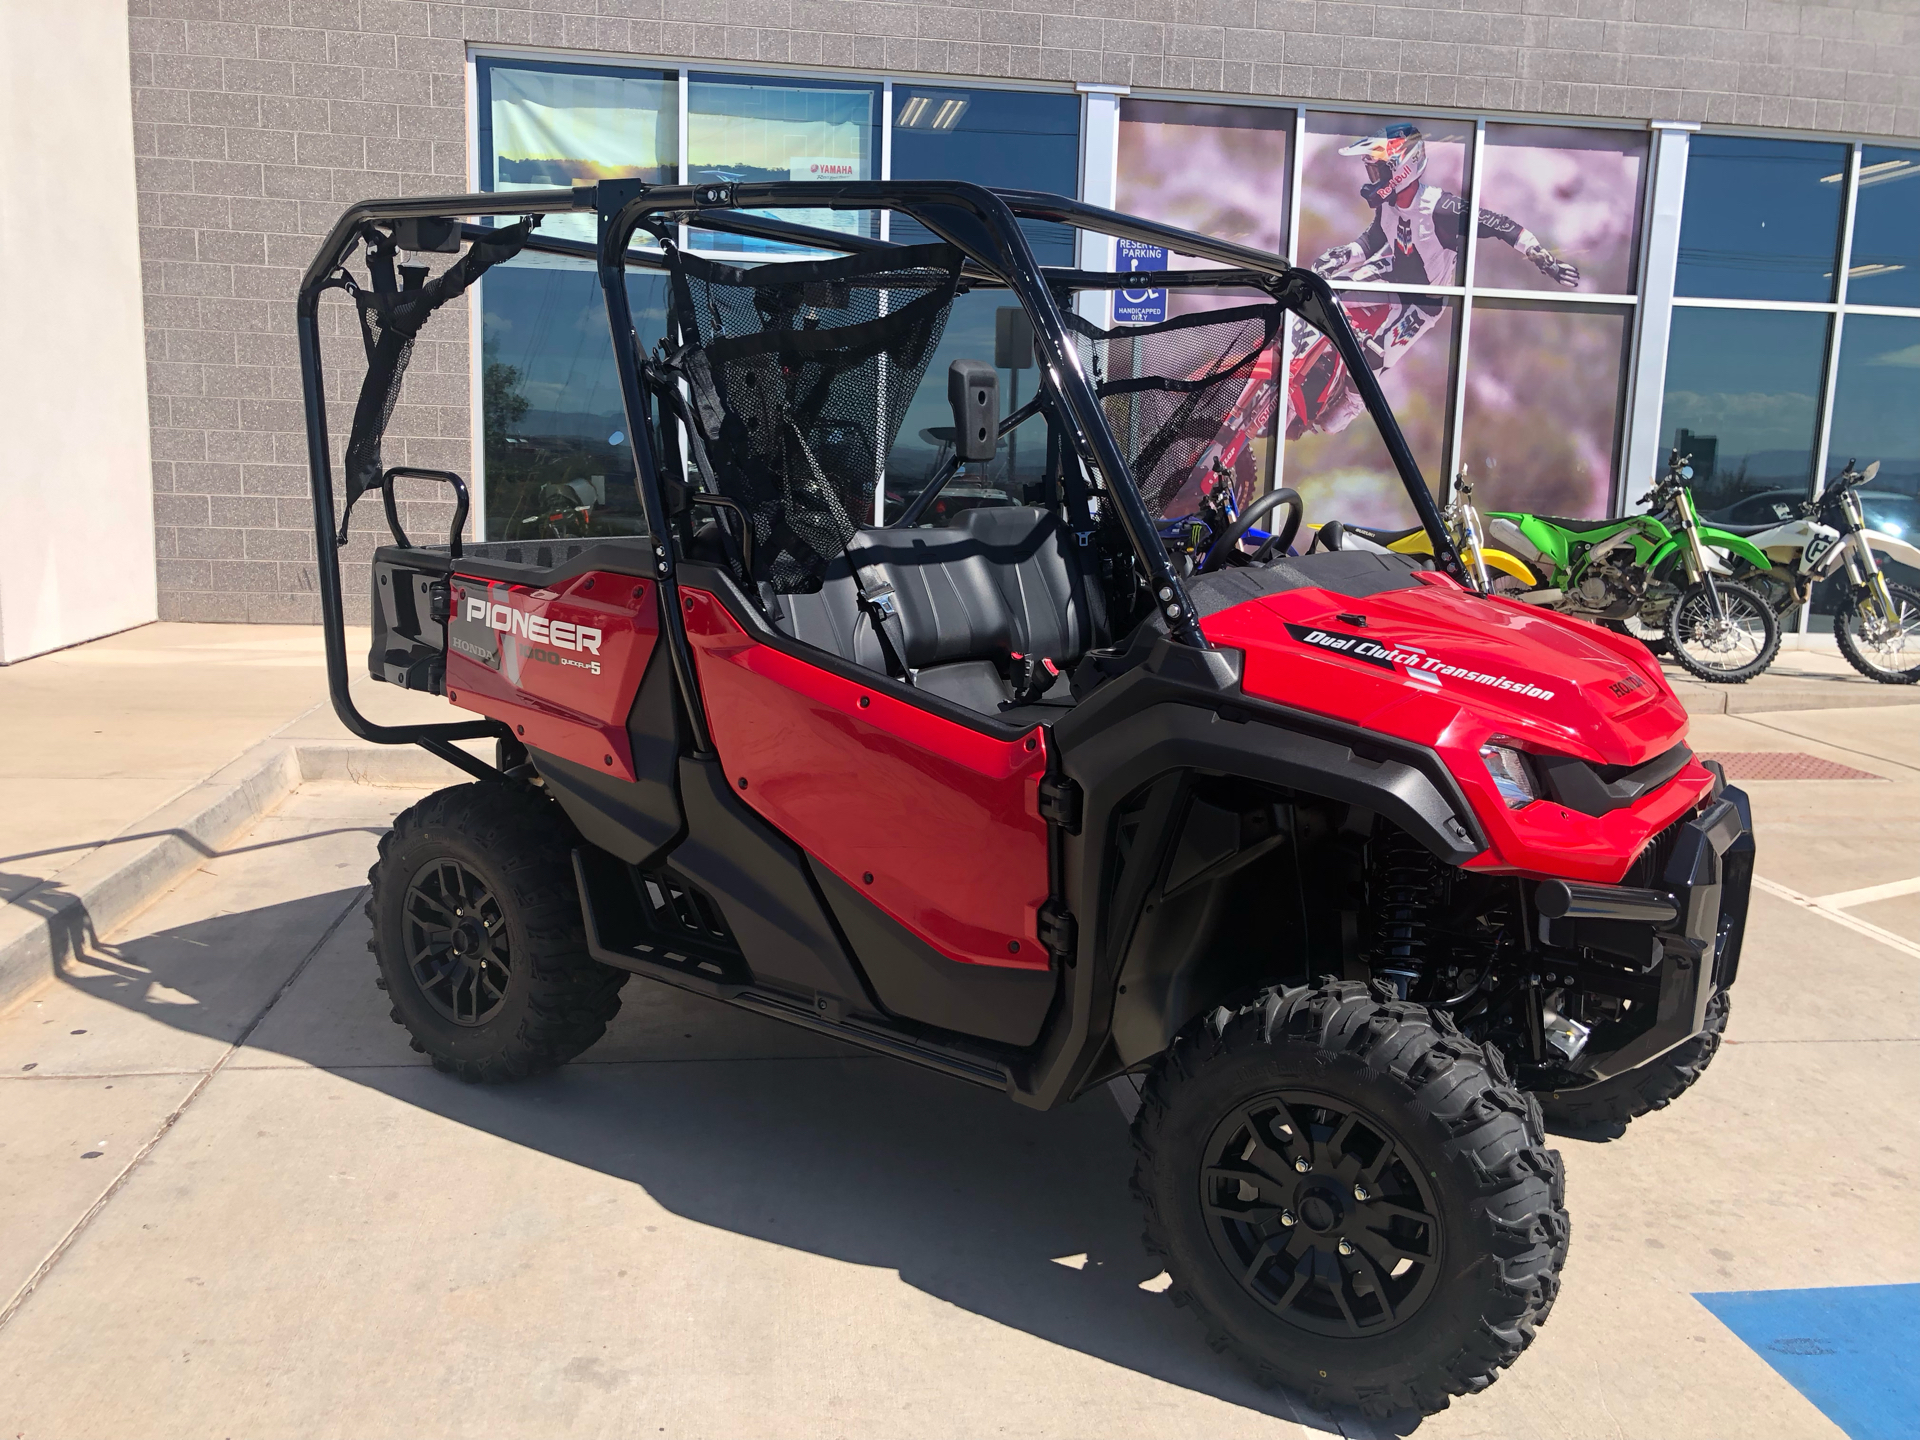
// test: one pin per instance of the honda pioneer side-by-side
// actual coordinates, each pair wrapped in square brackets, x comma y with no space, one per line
[1352,870]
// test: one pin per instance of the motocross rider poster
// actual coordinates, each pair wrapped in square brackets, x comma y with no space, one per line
[1379,203]
[1384,201]
[1219,170]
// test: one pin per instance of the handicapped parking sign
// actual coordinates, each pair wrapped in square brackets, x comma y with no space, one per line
[1140,307]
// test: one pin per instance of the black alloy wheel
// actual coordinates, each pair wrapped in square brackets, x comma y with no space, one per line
[1350,1196]
[1317,1210]
[456,942]
[479,934]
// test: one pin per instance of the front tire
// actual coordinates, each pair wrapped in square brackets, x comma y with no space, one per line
[1722,651]
[1652,1086]
[1351,1197]
[1889,654]
[477,931]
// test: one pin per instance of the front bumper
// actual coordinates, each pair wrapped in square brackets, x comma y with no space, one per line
[1675,943]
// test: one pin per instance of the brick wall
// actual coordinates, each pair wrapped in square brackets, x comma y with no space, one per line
[256,121]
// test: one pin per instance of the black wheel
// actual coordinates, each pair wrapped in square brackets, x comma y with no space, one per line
[478,935]
[1652,1086]
[1351,1196]
[1879,651]
[1727,647]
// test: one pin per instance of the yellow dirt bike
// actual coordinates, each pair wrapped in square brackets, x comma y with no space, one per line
[1492,571]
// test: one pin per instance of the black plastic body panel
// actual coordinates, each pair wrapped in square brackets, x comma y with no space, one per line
[620,817]
[762,884]
[409,623]
[916,982]
[1179,710]
[1708,874]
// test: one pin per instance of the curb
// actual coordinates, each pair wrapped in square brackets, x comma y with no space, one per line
[51,925]
[1755,697]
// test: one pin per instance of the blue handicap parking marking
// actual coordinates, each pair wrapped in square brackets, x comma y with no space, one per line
[1853,1351]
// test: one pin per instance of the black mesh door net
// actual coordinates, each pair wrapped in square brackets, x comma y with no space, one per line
[801,374]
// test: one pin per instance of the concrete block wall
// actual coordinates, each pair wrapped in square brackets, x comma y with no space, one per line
[256,121]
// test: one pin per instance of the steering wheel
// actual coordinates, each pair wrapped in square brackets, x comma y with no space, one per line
[1274,544]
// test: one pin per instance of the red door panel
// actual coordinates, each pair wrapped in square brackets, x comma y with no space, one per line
[938,824]
[561,665]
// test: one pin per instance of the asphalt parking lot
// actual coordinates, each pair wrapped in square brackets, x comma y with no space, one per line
[237,1203]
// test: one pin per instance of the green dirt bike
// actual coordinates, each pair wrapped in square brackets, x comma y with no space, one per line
[1654,576]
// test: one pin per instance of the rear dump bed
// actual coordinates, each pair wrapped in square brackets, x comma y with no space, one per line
[413,594]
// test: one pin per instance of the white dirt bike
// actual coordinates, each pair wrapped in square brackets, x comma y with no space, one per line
[1877,624]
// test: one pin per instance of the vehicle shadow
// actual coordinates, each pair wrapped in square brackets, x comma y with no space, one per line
[729,1120]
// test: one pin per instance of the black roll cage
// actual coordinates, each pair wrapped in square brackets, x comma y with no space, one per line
[982,223]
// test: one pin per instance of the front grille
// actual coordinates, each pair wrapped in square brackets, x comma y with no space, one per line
[1651,863]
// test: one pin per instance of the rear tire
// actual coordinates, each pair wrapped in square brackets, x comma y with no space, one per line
[1456,1231]
[478,934]
[1745,647]
[1876,662]
[1652,1086]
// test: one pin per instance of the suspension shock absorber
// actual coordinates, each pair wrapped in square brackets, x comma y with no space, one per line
[1407,882]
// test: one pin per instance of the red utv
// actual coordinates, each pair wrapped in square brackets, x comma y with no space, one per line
[1339,862]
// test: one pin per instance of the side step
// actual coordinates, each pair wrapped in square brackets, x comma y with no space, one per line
[702,958]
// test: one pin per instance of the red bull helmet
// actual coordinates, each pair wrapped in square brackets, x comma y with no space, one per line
[1396,157]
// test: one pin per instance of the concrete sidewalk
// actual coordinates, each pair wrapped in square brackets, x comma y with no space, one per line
[239,1203]
[124,761]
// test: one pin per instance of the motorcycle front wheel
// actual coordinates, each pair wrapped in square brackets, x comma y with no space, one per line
[1724,644]
[1878,650]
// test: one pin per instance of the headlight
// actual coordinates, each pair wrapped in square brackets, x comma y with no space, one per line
[1511,777]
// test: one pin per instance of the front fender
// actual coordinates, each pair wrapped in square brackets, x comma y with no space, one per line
[1511,565]
[1888,548]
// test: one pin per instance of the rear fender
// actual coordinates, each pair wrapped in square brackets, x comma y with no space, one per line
[1738,545]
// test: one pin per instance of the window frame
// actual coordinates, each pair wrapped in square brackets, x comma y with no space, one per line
[1649,305]
[479,166]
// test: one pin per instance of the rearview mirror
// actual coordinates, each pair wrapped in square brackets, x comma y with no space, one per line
[973,390]
[1871,471]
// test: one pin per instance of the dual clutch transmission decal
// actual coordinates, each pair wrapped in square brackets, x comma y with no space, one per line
[1409,660]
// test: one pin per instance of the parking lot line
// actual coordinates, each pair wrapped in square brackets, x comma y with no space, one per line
[1839,916]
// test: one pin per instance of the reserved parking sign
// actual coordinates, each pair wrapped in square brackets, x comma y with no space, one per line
[1139,307]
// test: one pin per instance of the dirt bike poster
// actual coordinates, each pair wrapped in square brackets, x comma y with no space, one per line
[1384,201]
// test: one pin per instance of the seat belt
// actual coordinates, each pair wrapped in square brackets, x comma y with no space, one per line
[881,602]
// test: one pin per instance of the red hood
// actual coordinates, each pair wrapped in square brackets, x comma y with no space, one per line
[1434,661]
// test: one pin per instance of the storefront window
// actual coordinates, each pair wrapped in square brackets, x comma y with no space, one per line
[752,128]
[1743,400]
[1885,266]
[1218,170]
[1005,138]
[1561,209]
[1762,219]
[549,126]
[1335,456]
[1381,198]
[974,331]
[557,459]
[1876,407]
[1544,387]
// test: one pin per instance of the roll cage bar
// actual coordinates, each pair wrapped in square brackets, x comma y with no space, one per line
[980,222]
